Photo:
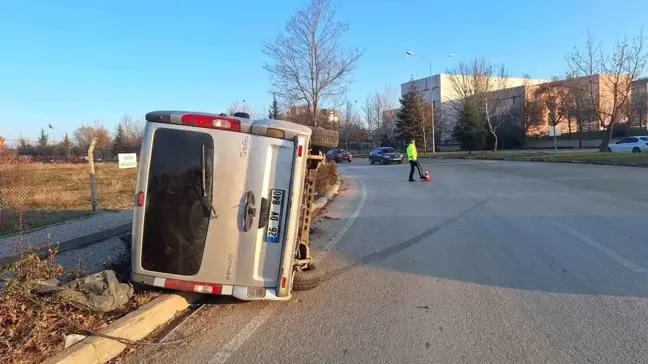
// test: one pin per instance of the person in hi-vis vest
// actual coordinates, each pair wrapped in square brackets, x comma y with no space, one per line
[412,157]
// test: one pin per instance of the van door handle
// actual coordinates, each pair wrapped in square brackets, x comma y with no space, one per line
[265,207]
[249,211]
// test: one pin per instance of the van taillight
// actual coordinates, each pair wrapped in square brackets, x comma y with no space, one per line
[193,286]
[300,151]
[214,122]
[140,199]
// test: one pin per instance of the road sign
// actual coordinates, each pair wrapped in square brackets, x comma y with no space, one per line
[127,160]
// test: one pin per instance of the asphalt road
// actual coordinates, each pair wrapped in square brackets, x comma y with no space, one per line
[492,262]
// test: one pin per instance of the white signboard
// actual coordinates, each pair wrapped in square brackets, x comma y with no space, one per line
[127,160]
[555,131]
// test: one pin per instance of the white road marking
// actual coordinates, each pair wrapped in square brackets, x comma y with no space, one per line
[603,249]
[246,333]
[363,199]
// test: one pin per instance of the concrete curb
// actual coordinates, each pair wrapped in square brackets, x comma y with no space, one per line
[134,326]
[322,201]
[77,243]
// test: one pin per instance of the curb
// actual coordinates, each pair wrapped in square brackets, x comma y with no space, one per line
[322,201]
[134,326]
[76,243]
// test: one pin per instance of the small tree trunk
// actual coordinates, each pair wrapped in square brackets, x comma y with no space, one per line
[606,139]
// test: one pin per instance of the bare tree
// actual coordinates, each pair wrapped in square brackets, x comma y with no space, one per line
[237,106]
[309,65]
[577,105]
[475,82]
[551,97]
[609,77]
[84,135]
[639,106]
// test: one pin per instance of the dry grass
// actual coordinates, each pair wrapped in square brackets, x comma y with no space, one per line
[32,327]
[326,177]
[40,194]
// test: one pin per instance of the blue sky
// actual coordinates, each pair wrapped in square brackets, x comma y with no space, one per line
[70,62]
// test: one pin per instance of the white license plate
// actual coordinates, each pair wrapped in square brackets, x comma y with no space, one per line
[273,232]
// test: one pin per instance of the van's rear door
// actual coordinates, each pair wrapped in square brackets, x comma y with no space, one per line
[216,205]
[178,194]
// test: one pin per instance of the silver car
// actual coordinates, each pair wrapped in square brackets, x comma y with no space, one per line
[218,203]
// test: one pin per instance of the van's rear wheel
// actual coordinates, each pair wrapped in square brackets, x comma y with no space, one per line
[325,138]
[308,278]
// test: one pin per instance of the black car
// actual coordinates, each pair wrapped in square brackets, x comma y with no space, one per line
[385,155]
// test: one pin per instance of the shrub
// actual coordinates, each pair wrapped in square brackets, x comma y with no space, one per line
[326,177]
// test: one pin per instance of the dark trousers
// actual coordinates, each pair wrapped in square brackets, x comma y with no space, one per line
[415,164]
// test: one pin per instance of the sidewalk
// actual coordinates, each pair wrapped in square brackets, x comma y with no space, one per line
[66,231]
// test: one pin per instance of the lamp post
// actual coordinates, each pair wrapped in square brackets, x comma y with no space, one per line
[431,97]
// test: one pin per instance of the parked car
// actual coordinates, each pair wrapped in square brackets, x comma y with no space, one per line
[385,155]
[212,217]
[339,155]
[635,144]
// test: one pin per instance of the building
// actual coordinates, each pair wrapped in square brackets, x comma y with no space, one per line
[570,99]
[300,113]
[443,95]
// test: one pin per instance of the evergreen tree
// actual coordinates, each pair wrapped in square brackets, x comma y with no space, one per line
[43,139]
[119,141]
[405,123]
[411,122]
[66,144]
[274,112]
[470,130]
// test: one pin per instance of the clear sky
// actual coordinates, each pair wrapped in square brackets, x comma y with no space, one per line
[69,62]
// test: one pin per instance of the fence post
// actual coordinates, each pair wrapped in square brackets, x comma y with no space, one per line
[93,181]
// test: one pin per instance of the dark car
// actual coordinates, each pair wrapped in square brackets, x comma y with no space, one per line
[339,155]
[385,155]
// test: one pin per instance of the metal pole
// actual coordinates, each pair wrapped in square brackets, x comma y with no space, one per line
[432,108]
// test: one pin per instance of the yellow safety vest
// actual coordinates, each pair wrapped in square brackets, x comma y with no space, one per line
[411,152]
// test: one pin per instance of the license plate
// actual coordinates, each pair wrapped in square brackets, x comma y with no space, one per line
[276,215]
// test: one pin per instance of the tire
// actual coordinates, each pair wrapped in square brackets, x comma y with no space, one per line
[307,279]
[609,150]
[371,161]
[400,162]
[325,138]
[636,150]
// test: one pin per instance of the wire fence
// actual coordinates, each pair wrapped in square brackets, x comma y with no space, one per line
[37,191]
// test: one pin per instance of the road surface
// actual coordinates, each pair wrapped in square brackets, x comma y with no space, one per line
[492,262]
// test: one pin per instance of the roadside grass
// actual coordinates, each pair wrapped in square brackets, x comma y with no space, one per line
[35,195]
[627,159]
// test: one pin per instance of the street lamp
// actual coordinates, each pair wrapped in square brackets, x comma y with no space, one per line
[431,96]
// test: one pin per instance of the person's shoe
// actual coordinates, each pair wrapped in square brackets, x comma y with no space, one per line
[412,180]
[422,178]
